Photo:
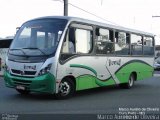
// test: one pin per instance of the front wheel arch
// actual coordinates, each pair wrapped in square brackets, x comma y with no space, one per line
[72,78]
[67,88]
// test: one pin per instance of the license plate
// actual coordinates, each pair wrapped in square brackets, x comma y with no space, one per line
[20,87]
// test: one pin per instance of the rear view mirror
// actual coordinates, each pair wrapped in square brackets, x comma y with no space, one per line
[17,29]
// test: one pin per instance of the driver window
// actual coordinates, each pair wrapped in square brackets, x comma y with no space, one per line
[69,42]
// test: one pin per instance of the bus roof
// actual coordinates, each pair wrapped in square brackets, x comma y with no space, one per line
[116,27]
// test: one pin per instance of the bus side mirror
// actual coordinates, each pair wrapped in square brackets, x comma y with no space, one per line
[17,29]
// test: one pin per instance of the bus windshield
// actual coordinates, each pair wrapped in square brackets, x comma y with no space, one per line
[38,37]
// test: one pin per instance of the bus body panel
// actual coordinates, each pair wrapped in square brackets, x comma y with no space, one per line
[94,71]
[26,75]
[44,83]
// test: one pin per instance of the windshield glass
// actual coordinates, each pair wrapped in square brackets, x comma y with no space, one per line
[38,37]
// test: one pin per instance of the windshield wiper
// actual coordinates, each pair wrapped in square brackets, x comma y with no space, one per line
[20,50]
[35,49]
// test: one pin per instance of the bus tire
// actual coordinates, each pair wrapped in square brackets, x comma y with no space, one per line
[23,92]
[130,82]
[66,89]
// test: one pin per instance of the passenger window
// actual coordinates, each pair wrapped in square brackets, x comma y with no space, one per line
[77,41]
[136,44]
[83,41]
[148,48]
[104,41]
[122,41]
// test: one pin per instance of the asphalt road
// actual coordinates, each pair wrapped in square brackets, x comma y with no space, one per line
[109,100]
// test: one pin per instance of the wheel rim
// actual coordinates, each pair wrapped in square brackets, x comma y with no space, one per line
[131,80]
[64,88]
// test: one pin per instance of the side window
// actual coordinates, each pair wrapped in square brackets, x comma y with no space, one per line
[77,41]
[148,48]
[136,44]
[69,42]
[122,41]
[83,41]
[104,41]
[5,43]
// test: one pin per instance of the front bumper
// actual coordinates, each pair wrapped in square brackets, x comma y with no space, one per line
[44,83]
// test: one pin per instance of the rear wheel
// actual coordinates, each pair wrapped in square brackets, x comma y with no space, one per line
[23,92]
[66,89]
[130,82]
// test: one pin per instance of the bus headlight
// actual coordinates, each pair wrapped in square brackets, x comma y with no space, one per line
[45,70]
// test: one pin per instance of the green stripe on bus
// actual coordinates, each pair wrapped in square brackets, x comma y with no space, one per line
[142,69]
[90,81]
[85,67]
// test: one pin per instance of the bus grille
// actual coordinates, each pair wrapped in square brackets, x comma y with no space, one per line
[23,73]
[25,83]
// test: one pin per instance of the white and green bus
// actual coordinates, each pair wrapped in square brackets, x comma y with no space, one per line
[61,55]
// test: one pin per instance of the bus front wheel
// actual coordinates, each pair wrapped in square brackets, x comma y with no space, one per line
[66,89]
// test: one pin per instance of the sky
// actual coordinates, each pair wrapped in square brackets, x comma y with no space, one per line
[136,14]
